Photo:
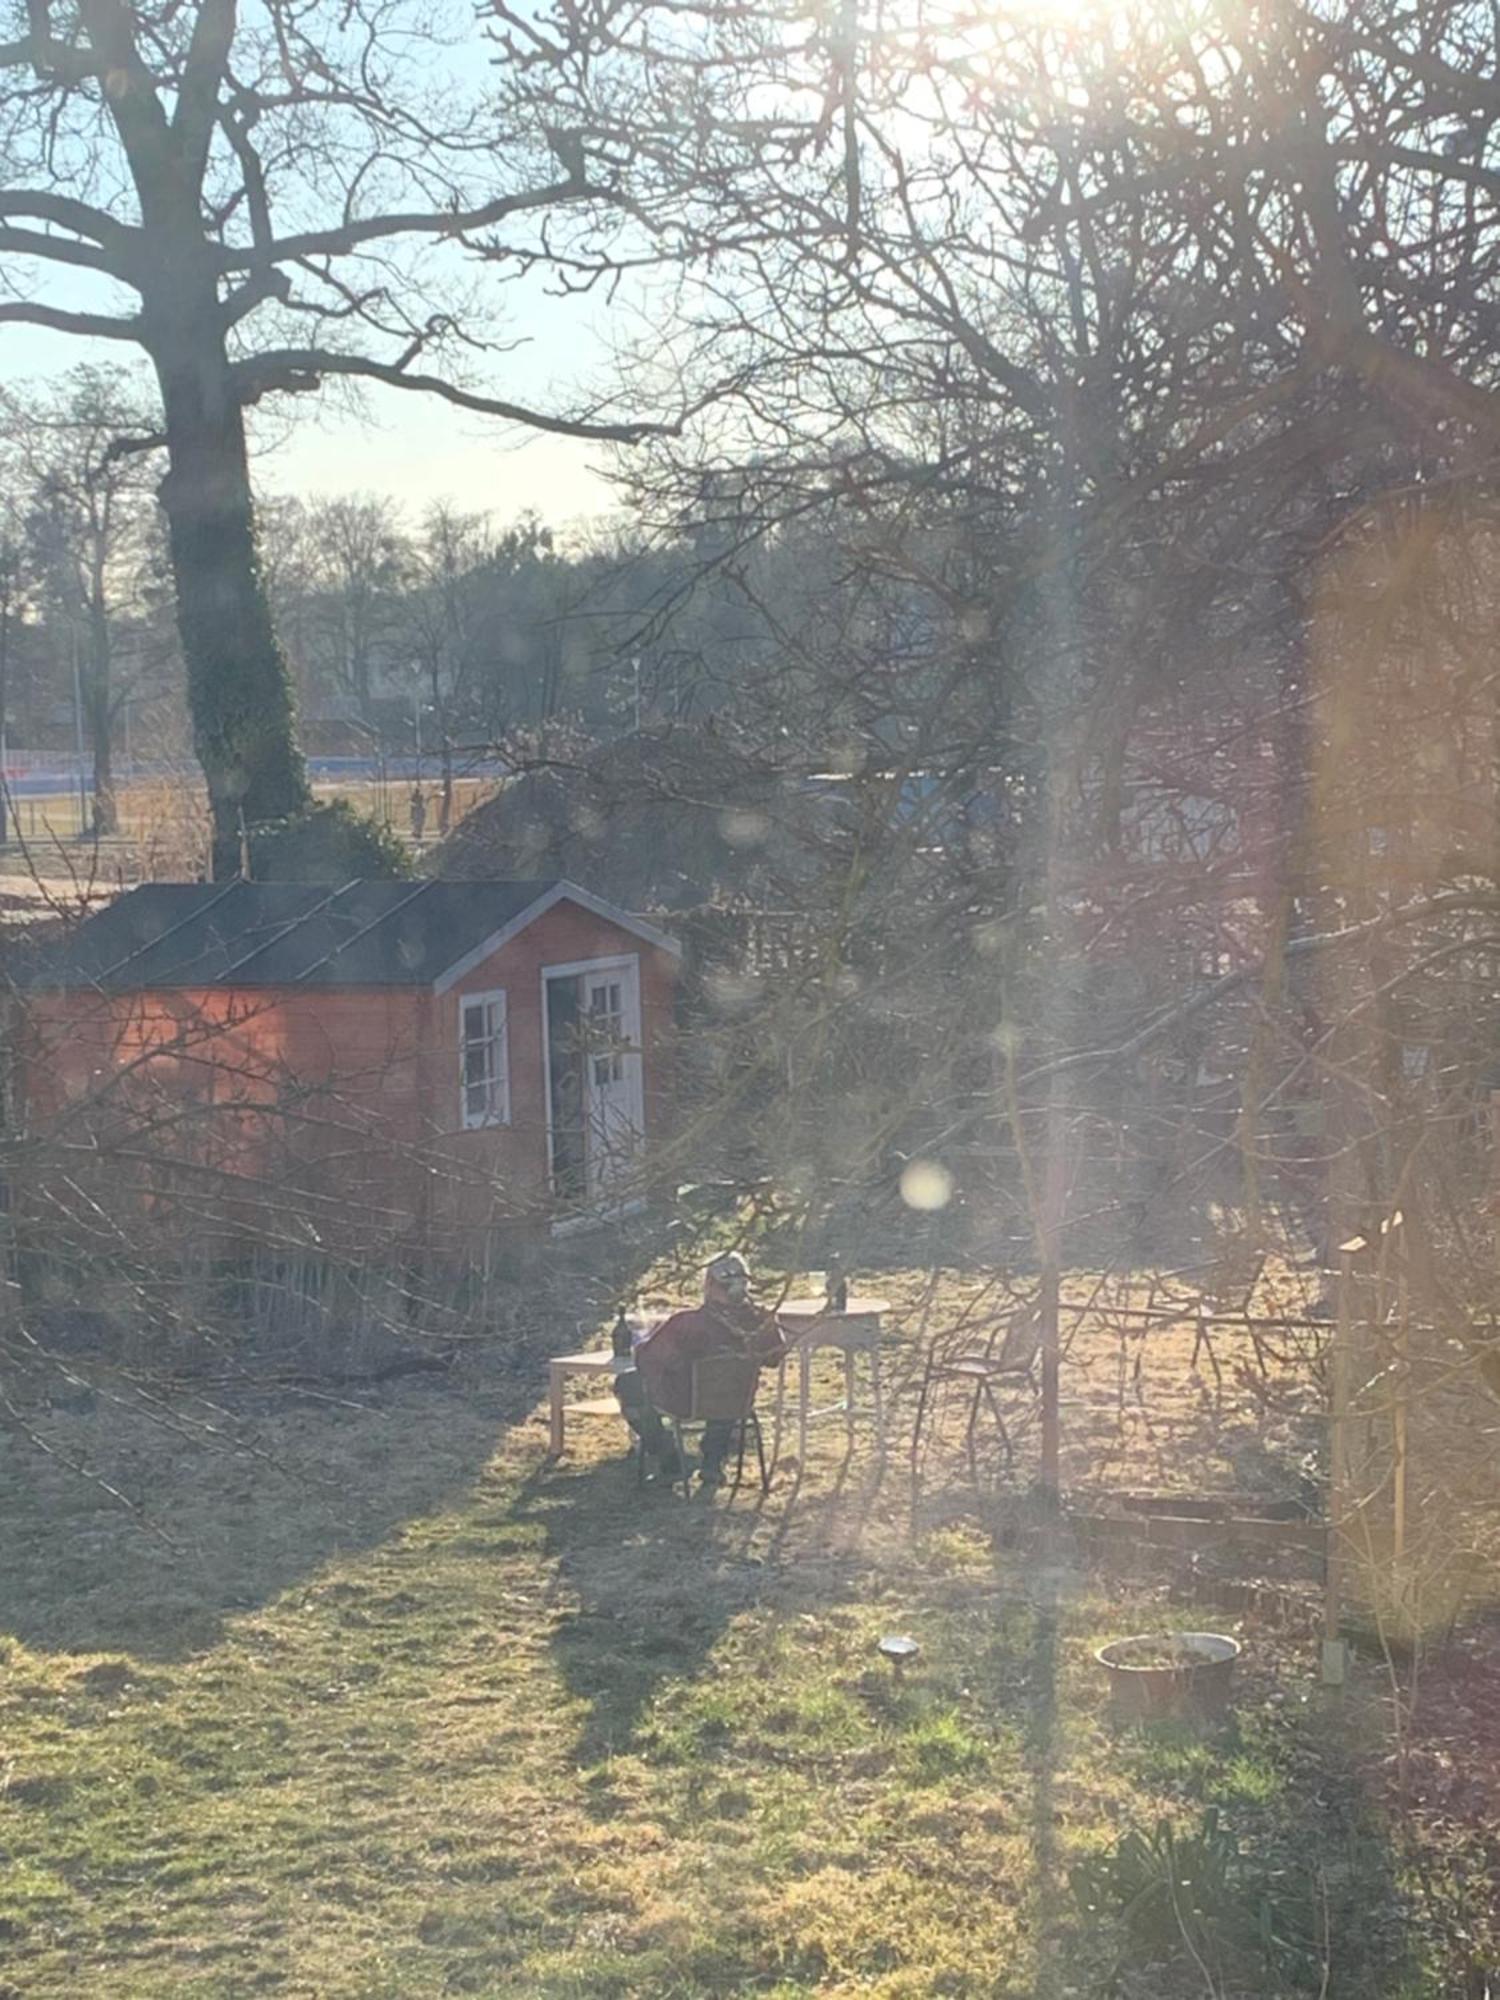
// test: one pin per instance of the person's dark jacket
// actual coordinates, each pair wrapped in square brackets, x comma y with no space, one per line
[665,1359]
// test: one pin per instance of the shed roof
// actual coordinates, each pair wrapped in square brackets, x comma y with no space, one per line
[257,934]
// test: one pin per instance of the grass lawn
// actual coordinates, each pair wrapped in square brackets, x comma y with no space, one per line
[406,1712]
[163,826]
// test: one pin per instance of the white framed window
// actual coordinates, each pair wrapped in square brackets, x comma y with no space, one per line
[485,1059]
[606,1029]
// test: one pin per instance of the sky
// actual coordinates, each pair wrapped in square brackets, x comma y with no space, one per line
[413,447]
[422,450]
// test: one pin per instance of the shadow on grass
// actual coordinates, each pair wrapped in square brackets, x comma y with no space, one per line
[1309,1903]
[1281,1879]
[219,1531]
[1042,1762]
[651,1582]
[229,1509]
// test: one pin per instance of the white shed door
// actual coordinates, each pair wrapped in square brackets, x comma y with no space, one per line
[614,1099]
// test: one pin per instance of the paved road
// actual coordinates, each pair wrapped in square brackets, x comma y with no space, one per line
[37,779]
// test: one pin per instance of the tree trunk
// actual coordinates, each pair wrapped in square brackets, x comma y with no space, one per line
[239,690]
[106,807]
[4,702]
[100,712]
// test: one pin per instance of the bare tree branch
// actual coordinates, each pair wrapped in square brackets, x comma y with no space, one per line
[296,369]
[93,326]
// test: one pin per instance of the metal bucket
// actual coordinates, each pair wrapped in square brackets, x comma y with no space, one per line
[1157,1675]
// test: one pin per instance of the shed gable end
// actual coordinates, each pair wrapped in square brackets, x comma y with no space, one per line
[630,932]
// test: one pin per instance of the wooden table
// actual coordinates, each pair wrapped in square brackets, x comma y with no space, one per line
[810,1324]
[598,1361]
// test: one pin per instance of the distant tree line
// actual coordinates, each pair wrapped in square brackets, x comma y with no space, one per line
[444,631]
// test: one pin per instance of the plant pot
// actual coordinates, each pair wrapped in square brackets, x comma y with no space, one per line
[1159,1675]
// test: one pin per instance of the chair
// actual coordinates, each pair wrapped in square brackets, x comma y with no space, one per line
[985,1371]
[723,1391]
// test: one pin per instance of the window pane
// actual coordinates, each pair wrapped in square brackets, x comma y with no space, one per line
[484,1060]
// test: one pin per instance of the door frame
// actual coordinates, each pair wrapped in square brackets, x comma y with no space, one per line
[629,961]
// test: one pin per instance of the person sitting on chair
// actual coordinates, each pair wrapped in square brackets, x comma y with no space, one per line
[727,1322]
[656,1440]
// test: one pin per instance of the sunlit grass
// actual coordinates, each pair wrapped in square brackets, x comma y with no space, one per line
[453,1724]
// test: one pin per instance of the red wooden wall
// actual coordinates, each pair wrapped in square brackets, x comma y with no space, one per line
[329,1116]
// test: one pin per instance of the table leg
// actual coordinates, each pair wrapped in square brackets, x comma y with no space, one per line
[879,1405]
[555,1393]
[849,1395]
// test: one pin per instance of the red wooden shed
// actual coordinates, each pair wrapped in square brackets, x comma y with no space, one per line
[372,1065]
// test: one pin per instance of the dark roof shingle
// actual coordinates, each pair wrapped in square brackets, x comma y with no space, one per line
[252,934]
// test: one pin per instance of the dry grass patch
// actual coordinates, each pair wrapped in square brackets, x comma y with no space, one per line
[416,1715]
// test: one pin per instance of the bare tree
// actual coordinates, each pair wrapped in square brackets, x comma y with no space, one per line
[262,200]
[288,571]
[360,558]
[87,526]
[447,628]
[14,602]
[1080,359]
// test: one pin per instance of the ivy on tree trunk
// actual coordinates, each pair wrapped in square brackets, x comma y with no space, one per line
[239,689]
[240,163]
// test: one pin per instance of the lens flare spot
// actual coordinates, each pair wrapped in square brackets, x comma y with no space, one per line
[926,1186]
[744,829]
